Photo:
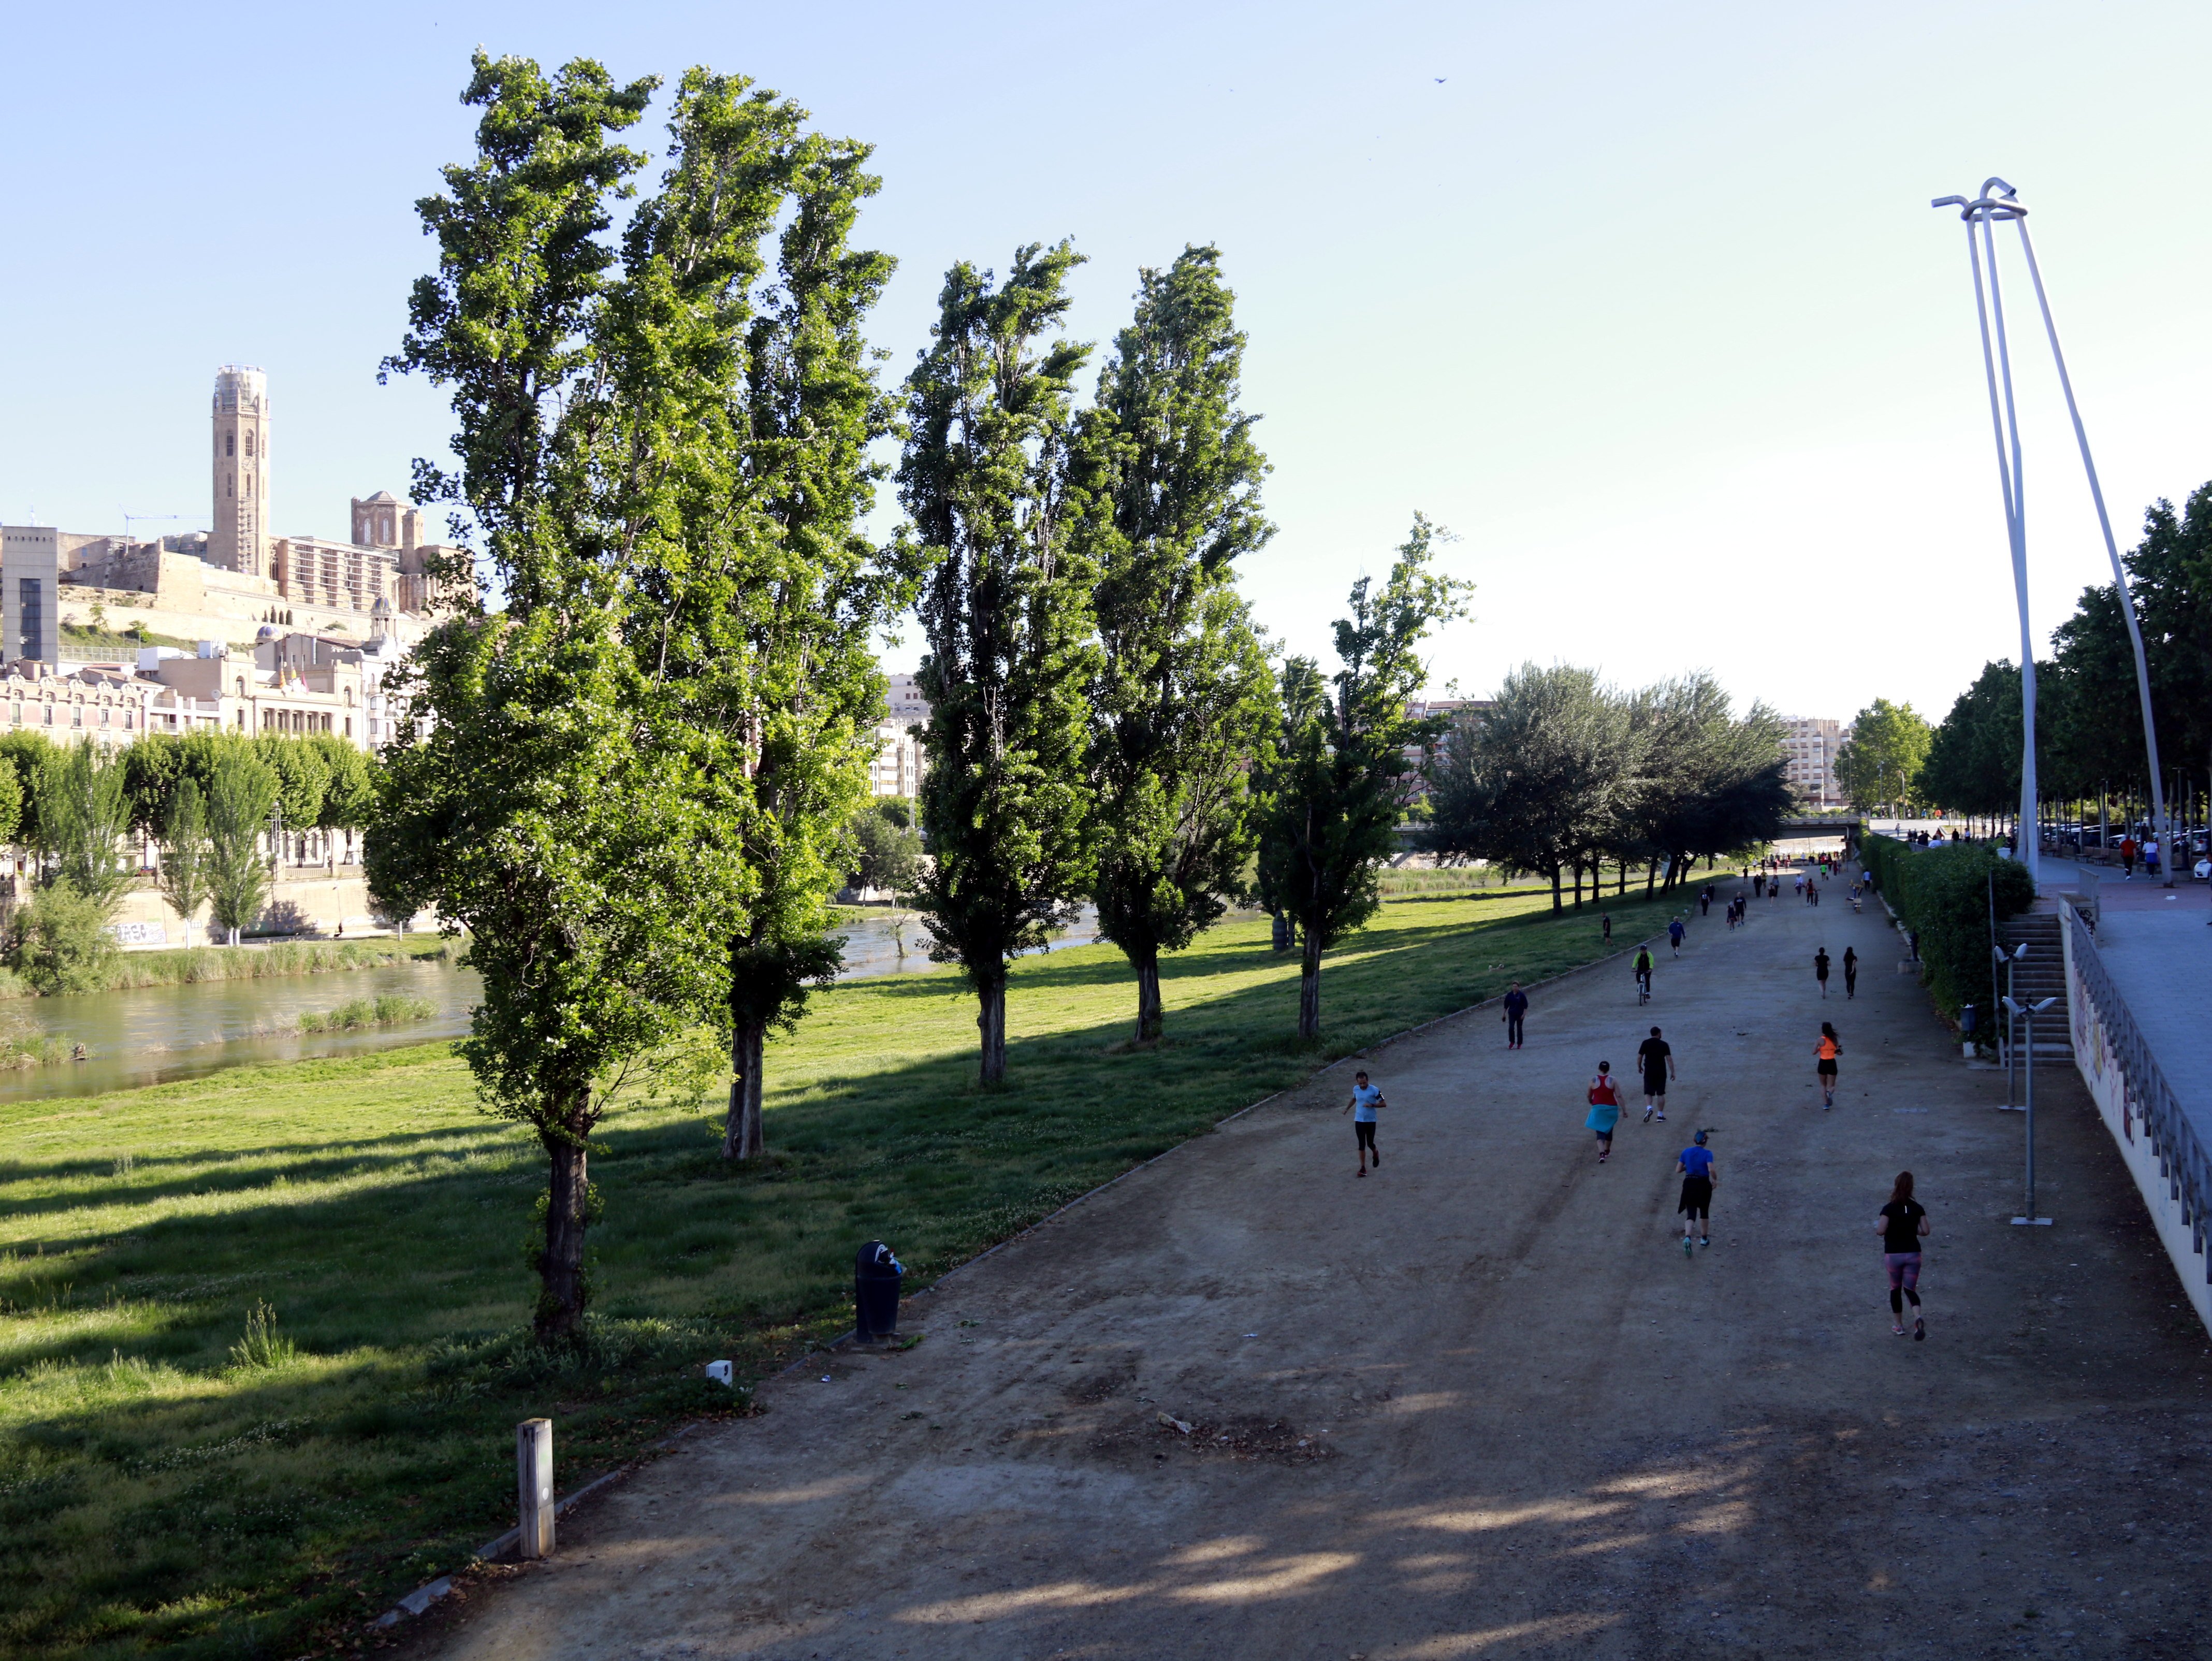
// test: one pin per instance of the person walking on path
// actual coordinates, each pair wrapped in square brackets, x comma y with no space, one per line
[1695,1166]
[1821,969]
[1655,1057]
[1706,902]
[1604,1109]
[1825,1052]
[1517,1007]
[1902,1225]
[1365,1099]
[1851,973]
[1674,935]
[2128,857]
[1643,966]
[1759,886]
[1605,924]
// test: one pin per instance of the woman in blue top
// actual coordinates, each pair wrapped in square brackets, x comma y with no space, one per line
[1365,1099]
[1695,1166]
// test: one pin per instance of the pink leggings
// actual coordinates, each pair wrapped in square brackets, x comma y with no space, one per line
[1903,1269]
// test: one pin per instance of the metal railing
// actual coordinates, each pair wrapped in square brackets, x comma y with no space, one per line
[2182,1160]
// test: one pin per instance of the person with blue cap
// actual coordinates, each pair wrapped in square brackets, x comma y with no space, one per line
[1695,1166]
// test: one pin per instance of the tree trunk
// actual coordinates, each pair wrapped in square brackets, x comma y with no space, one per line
[1577,867]
[991,1024]
[1310,980]
[1623,888]
[562,1291]
[742,1138]
[1556,903]
[1651,877]
[1150,1019]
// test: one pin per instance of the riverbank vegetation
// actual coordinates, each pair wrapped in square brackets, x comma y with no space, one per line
[357,1014]
[124,972]
[157,1492]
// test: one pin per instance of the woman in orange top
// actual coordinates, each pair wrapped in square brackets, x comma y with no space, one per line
[1827,1049]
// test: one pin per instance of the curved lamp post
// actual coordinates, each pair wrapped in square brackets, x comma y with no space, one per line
[2000,203]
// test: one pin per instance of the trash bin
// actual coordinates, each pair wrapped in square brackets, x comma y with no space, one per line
[1966,1020]
[876,1274]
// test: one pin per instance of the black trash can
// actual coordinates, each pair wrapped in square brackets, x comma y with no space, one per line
[876,1274]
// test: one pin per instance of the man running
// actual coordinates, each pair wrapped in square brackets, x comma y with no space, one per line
[1643,966]
[1903,1224]
[1695,1166]
[1517,1007]
[1674,931]
[1821,969]
[1850,974]
[1365,1099]
[1604,1110]
[1655,1056]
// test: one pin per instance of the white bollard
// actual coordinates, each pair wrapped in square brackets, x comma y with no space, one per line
[533,1475]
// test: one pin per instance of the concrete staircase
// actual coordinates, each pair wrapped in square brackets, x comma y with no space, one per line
[2041,974]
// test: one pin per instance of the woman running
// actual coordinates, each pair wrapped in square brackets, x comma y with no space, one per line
[1821,969]
[1604,1109]
[1850,974]
[1902,1225]
[1827,1049]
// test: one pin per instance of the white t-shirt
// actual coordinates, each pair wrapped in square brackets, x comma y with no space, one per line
[1364,1097]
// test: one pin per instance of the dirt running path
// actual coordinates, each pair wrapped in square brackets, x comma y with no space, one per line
[1479,1404]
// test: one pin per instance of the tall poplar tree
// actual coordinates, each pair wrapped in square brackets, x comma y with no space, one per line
[1006,615]
[1338,783]
[545,790]
[1170,478]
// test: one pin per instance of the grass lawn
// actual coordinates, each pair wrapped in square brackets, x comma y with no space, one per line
[170,1479]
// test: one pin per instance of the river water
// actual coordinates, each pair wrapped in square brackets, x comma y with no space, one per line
[156,1033]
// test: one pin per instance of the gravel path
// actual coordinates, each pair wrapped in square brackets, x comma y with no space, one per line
[1479,1404]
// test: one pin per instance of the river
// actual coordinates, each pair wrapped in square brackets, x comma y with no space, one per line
[155,1033]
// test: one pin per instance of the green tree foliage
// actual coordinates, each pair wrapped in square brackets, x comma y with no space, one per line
[1169,479]
[1878,765]
[1707,784]
[60,941]
[886,847]
[1973,756]
[82,818]
[1542,782]
[553,787]
[26,753]
[241,805]
[1005,616]
[1338,783]
[350,782]
[12,801]
[184,851]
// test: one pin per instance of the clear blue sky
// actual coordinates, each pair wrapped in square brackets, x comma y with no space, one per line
[1645,301]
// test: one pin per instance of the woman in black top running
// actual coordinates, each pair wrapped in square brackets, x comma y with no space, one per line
[1851,973]
[1903,1224]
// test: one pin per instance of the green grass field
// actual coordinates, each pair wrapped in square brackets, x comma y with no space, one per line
[261,1334]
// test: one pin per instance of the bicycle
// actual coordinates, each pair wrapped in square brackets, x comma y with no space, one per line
[1642,987]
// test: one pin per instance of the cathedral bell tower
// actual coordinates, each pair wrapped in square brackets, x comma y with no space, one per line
[239,540]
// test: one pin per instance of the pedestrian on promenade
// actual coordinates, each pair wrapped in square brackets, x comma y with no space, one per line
[2128,857]
[1604,1109]
[1826,1050]
[1655,1056]
[1798,884]
[1604,927]
[1851,973]
[2150,856]
[1516,1007]
[1696,1164]
[1759,886]
[1821,969]
[1706,902]
[1365,1099]
[1812,894]
[1902,1225]
[1674,935]
[1643,967]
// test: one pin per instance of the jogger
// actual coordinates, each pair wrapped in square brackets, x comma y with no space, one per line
[1365,1099]
[1851,973]
[1821,969]
[1695,1166]
[1826,1050]
[1655,1056]
[1604,1109]
[1903,1224]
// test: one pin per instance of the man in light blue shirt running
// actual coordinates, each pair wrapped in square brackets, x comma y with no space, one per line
[1365,1099]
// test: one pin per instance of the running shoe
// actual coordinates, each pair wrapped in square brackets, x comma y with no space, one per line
[1647,1115]
[1919,1330]
[1688,1250]
[1705,1239]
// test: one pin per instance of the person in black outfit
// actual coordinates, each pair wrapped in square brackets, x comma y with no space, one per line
[1516,1007]
[1903,1224]
[1851,973]
[1820,969]
[1655,1056]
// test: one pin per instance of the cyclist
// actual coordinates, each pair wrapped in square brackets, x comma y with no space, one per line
[1642,974]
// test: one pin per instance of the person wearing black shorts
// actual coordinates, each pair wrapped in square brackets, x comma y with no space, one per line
[1825,1054]
[1695,1166]
[1655,1056]
[1516,1010]
[1821,969]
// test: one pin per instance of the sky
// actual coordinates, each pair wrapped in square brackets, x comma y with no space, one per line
[1646,304]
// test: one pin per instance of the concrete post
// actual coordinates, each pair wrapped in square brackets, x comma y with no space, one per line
[533,1475]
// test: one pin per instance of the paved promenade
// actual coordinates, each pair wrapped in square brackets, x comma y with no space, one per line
[1479,1404]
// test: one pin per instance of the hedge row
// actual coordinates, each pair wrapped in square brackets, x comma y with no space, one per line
[1944,895]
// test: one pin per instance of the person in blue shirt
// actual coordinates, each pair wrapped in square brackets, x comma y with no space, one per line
[1674,935]
[1365,1099]
[1695,1166]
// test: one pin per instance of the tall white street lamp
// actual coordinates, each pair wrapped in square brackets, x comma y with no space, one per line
[1999,203]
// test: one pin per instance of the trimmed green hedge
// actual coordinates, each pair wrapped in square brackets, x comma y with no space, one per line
[1944,895]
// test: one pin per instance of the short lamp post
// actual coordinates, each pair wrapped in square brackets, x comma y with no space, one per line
[2005,960]
[2027,1013]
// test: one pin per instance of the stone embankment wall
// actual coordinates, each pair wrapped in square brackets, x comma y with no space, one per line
[308,900]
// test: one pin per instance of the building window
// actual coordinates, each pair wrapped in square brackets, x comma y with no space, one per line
[18,716]
[230,444]
[77,715]
[241,686]
[349,726]
[103,714]
[249,444]
[31,602]
[50,714]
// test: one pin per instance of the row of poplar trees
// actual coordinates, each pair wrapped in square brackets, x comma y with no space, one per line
[630,784]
